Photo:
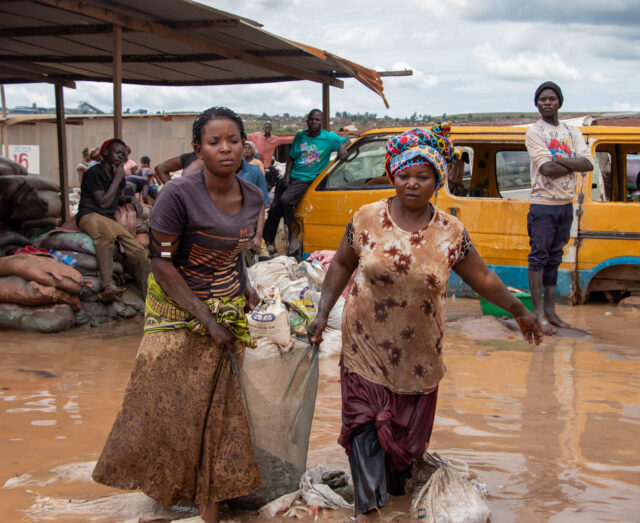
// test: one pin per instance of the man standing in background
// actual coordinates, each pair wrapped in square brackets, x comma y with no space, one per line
[309,155]
[557,151]
[266,143]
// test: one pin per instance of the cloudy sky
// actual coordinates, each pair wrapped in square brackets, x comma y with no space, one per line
[467,56]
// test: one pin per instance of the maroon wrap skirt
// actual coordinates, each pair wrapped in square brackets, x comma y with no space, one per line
[403,421]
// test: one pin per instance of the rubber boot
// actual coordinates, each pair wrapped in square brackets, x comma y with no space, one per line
[292,241]
[549,300]
[104,258]
[550,308]
[396,479]
[367,463]
[535,288]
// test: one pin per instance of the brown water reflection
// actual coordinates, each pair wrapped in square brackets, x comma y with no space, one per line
[553,430]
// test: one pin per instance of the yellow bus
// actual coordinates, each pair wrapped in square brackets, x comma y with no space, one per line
[489,193]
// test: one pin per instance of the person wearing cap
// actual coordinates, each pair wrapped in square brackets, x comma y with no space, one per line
[100,191]
[402,250]
[557,152]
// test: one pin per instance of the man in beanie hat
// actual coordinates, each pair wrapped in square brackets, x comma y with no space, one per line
[100,191]
[557,151]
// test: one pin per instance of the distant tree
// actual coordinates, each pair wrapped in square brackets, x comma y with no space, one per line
[444,116]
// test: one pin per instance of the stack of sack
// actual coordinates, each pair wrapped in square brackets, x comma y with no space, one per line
[38,293]
[135,218]
[290,294]
[80,247]
[31,295]
[28,204]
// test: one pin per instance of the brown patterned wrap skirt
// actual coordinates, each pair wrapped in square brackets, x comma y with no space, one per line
[182,435]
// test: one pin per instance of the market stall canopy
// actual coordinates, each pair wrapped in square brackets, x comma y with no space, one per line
[164,42]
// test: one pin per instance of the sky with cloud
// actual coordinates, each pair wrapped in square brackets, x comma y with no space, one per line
[466,56]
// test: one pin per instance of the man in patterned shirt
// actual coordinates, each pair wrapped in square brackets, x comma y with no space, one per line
[557,151]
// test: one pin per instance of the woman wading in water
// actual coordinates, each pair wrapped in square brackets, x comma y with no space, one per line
[182,435]
[403,250]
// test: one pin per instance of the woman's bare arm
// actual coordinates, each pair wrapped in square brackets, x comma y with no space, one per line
[486,283]
[344,263]
[176,287]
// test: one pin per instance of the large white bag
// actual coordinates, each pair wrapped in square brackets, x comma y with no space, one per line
[451,494]
[271,319]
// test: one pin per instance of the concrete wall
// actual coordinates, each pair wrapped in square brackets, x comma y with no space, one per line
[158,136]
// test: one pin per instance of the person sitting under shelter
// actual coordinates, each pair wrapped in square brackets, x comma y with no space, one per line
[187,162]
[100,192]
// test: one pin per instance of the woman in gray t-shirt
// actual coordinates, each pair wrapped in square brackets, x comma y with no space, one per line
[182,434]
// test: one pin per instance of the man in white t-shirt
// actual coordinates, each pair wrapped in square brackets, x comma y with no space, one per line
[557,151]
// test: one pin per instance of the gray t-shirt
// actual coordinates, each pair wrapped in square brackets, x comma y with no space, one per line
[544,141]
[211,242]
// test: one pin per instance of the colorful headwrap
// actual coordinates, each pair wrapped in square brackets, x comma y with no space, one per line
[417,147]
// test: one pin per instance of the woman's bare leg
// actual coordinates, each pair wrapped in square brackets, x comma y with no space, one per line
[211,512]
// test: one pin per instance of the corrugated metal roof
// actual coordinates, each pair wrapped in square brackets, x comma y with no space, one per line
[164,42]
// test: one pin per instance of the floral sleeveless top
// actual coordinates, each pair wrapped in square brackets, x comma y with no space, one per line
[393,319]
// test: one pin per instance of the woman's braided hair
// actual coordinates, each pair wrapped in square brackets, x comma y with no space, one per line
[215,113]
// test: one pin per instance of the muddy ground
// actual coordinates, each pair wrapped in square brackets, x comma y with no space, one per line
[553,430]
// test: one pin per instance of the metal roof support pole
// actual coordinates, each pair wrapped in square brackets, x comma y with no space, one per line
[4,147]
[117,81]
[325,106]
[62,151]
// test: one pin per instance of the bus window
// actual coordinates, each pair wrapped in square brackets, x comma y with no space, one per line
[513,175]
[616,175]
[459,179]
[363,169]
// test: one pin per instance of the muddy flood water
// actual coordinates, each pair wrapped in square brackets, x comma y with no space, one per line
[553,430]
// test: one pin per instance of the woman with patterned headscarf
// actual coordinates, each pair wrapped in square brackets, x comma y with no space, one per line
[402,250]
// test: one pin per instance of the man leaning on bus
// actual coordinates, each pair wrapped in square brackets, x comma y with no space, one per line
[557,152]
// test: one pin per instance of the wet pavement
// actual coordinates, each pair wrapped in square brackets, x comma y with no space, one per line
[553,430]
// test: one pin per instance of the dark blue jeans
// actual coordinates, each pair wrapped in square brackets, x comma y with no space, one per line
[549,227]
[283,206]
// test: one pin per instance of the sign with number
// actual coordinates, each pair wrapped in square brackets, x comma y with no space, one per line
[26,155]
